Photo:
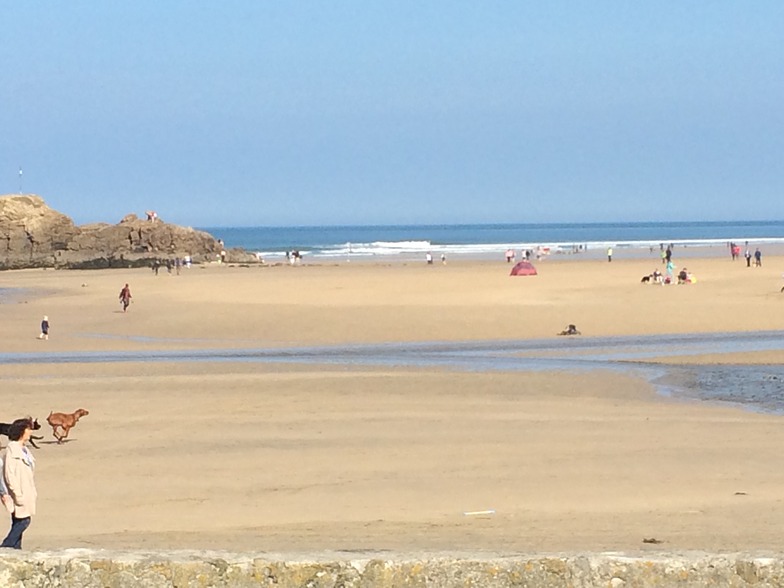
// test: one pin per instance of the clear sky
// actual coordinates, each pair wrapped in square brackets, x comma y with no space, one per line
[254,112]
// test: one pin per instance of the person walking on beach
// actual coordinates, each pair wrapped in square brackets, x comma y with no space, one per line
[758,258]
[747,255]
[609,254]
[18,475]
[44,328]
[125,297]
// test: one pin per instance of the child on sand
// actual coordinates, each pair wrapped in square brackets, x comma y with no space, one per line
[44,328]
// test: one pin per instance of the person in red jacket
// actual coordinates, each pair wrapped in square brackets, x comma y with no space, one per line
[125,297]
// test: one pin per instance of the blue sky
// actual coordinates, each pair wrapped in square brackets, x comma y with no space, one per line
[242,113]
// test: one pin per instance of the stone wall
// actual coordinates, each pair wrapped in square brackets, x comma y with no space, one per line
[86,568]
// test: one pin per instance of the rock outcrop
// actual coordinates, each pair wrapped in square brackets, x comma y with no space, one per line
[34,235]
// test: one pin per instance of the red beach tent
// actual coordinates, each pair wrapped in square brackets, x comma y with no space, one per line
[523,268]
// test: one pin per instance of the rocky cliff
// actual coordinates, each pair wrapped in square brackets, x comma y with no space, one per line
[34,235]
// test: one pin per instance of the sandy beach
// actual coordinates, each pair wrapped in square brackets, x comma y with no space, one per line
[248,456]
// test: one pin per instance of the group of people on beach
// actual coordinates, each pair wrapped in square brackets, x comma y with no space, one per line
[125,300]
[18,493]
[686,277]
[656,277]
[757,258]
[525,254]
[429,258]
[735,254]
[170,264]
[17,465]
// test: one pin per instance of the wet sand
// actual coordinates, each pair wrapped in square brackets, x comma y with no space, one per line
[272,457]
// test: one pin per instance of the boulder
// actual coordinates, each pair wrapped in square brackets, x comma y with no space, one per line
[34,235]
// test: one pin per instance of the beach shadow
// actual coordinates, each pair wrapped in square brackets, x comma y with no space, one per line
[55,442]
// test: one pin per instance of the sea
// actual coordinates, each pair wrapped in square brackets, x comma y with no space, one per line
[390,242]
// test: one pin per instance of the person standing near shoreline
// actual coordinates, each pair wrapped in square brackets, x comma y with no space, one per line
[18,475]
[125,297]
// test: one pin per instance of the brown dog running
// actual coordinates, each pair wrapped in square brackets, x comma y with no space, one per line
[34,425]
[65,422]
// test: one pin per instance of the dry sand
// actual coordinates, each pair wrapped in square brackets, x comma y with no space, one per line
[264,457]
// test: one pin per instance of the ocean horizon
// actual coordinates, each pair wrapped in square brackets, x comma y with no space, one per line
[493,239]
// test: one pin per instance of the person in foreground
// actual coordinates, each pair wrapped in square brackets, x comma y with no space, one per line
[18,471]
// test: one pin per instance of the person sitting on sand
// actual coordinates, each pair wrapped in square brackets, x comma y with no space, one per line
[570,330]
[683,276]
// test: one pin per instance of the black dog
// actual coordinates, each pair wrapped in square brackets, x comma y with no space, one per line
[34,425]
[645,279]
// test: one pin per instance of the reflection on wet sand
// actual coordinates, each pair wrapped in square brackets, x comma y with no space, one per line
[753,386]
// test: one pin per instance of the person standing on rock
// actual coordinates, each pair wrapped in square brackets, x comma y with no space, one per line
[125,297]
